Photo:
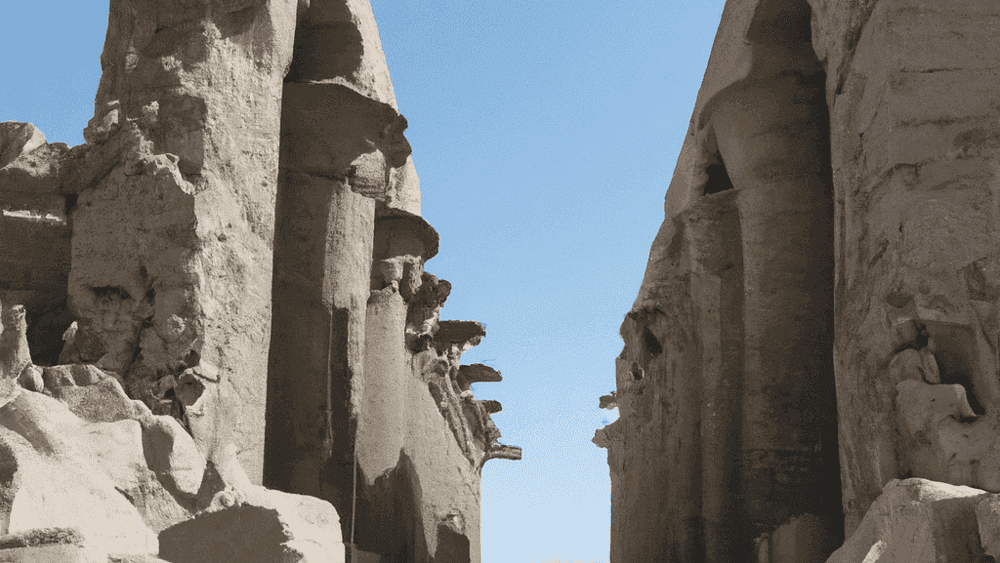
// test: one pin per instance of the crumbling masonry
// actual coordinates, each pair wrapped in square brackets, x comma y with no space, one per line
[817,325]
[235,258]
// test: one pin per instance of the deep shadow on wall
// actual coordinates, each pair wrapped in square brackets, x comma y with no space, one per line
[726,446]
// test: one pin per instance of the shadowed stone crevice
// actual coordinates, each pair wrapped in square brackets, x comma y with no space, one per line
[389,520]
[718,179]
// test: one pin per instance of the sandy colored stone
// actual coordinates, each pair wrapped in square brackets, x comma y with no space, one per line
[908,88]
[50,545]
[68,474]
[257,525]
[180,272]
[726,367]
[38,171]
[16,139]
[157,307]
[916,520]
[172,454]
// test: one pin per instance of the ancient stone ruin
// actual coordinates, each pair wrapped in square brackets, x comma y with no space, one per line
[810,370]
[219,339]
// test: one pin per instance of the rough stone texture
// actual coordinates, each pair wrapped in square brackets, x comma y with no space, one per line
[65,472]
[913,124]
[824,287]
[364,403]
[178,272]
[918,521]
[726,364]
[50,545]
[35,262]
[17,139]
[103,466]
[236,145]
[804,539]
[257,525]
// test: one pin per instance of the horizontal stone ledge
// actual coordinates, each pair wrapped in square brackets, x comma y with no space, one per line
[476,373]
[502,451]
[457,332]
[491,406]
[327,126]
[396,230]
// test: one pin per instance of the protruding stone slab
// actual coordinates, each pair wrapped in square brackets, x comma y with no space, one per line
[477,373]
[491,406]
[400,233]
[459,332]
[257,525]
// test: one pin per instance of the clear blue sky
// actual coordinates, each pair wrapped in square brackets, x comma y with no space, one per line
[545,133]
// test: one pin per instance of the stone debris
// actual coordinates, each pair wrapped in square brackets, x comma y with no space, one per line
[477,373]
[15,357]
[257,525]
[919,521]
[50,545]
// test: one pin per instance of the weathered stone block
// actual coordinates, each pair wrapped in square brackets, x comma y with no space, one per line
[917,521]
[50,545]
[257,525]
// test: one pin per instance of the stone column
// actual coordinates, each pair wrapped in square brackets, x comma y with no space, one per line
[171,245]
[771,137]
[712,229]
[341,149]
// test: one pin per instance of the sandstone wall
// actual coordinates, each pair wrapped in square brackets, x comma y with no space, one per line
[239,246]
[914,123]
[818,315]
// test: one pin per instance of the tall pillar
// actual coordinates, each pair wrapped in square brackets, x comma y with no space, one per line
[712,230]
[341,145]
[171,245]
[771,137]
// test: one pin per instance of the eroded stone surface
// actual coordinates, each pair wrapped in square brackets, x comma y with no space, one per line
[920,521]
[179,272]
[147,253]
[908,87]
[726,369]
[257,525]
[727,345]
[365,407]
[17,139]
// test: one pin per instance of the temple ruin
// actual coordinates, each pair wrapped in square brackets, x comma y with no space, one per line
[810,368]
[221,342]
[225,288]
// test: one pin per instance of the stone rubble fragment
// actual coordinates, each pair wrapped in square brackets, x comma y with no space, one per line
[918,521]
[256,525]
